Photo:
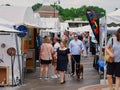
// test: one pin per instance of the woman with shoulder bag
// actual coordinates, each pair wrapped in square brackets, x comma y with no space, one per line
[114,67]
[46,50]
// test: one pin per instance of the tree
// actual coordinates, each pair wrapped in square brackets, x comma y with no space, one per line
[36,6]
[70,14]
[7,5]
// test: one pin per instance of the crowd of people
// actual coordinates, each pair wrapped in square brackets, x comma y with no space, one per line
[68,52]
[63,53]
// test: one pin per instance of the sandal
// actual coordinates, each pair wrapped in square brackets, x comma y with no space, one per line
[62,82]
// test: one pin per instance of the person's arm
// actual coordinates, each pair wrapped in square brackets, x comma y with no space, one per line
[82,48]
[69,59]
[70,46]
[41,50]
[108,51]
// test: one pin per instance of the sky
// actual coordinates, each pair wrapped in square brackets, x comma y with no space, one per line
[108,5]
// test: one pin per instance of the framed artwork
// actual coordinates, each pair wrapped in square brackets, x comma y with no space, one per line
[31,37]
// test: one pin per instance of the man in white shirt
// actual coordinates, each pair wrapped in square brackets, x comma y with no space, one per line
[54,63]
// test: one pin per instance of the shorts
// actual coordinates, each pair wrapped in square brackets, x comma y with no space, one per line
[117,69]
[110,68]
[45,61]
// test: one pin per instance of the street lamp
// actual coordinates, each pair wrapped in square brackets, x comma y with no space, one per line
[56,2]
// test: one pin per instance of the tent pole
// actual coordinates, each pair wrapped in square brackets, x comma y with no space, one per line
[17,47]
[105,49]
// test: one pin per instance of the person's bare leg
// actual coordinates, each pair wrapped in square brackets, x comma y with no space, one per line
[46,70]
[41,70]
[110,82]
[62,77]
[117,85]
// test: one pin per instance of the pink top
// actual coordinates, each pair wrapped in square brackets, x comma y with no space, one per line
[45,51]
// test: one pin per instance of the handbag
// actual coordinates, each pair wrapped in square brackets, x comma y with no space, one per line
[107,56]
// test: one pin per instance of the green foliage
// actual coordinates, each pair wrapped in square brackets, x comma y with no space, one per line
[99,11]
[70,14]
[7,5]
[36,6]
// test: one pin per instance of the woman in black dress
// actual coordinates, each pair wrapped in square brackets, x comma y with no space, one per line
[63,59]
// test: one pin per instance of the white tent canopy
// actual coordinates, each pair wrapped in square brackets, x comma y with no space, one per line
[50,23]
[37,22]
[114,17]
[86,28]
[17,15]
[50,30]
[64,26]
[7,26]
[5,22]
[6,29]
[111,19]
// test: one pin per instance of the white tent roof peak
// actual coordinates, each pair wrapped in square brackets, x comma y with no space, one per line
[17,15]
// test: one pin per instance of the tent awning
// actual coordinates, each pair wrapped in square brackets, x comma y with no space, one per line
[113,18]
[86,28]
[6,29]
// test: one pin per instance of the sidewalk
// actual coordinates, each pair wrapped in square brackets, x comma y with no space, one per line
[95,87]
[90,77]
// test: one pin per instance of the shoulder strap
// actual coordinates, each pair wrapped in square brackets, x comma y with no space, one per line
[112,41]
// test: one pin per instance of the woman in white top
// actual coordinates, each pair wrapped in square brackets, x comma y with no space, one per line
[114,68]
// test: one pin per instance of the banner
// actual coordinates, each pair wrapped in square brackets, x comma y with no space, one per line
[94,22]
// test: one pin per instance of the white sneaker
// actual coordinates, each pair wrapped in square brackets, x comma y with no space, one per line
[40,78]
[58,76]
[54,76]
[46,78]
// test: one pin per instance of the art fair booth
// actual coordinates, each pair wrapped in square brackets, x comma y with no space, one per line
[22,19]
[6,34]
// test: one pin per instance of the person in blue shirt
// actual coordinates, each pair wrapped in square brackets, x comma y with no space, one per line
[76,49]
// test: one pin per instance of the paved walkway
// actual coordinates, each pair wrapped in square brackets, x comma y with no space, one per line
[94,87]
[91,77]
